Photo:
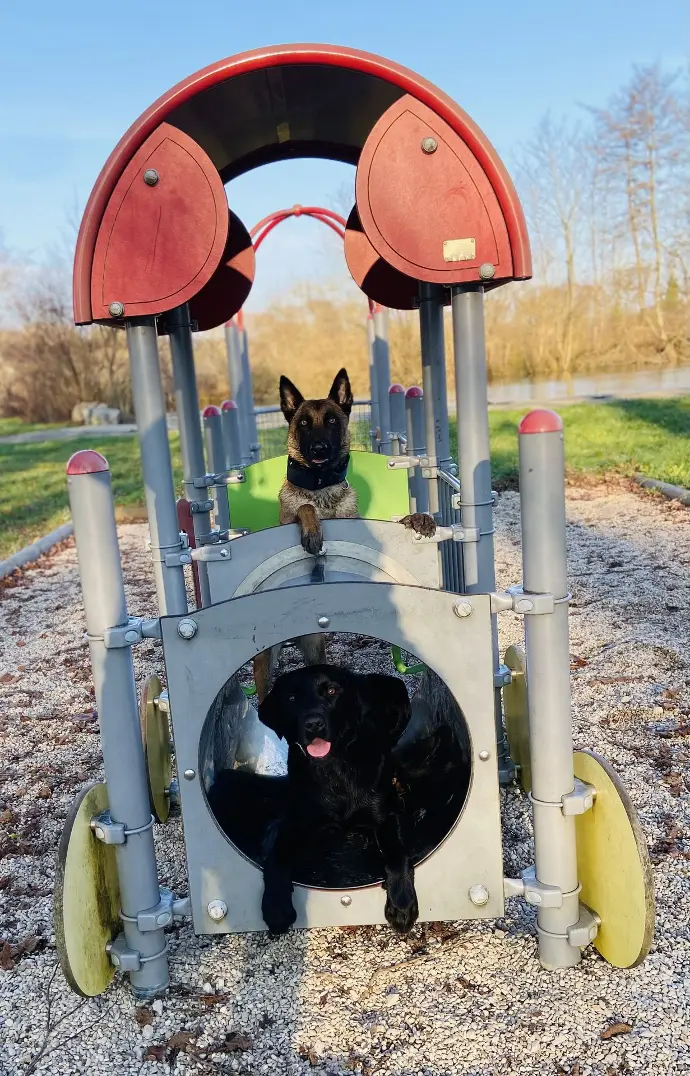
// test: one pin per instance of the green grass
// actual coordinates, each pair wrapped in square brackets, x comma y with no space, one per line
[626,437]
[9,426]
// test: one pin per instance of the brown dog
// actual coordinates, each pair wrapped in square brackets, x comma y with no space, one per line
[316,488]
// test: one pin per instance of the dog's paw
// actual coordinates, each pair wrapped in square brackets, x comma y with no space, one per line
[402,910]
[312,542]
[278,913]
[421,523]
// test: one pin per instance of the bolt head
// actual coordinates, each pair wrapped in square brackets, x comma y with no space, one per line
[151,177]
[462,609]
[131,636]
[116,309]
[487,271]
[225,552]
[485,755]
[346,901]
[429,145]
[163,919]
[533,898]
[189,775]
[323,622]
[479,895]
[187,628]
[217,910]
[523,605]
[99,833]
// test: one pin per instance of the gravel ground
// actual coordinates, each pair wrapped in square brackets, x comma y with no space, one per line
[452,998]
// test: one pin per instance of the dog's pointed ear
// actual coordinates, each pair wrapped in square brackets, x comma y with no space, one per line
[290,398]
[272,715]
[341,393]
[385,702]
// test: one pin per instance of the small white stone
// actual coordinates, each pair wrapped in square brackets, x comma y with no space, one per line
[158,1007]
[208,989]
[147,1031]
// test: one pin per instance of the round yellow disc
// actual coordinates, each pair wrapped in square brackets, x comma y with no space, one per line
[613,866]
[155,732]
[517,715]
[86,901]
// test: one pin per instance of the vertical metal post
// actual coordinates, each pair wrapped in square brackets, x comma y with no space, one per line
[431,340]
[542,507]
[233,344]
[159,489]
[416,446]
[432,334]
[230,419]
[254,445]
[215,454]
[382,365]
[191,442]
[100,569]
[474,458]
[374,419]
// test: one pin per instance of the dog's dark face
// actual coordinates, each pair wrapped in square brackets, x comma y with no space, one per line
[322,709]
[318,436]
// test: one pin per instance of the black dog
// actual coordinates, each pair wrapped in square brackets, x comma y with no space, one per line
[341,728]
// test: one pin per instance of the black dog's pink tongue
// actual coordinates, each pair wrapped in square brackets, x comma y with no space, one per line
[318,748]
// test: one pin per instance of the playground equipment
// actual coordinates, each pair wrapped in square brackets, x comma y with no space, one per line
[434,207]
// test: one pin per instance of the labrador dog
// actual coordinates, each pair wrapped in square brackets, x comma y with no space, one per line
[341,728]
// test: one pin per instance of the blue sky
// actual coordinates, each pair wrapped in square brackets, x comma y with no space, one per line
[74,75]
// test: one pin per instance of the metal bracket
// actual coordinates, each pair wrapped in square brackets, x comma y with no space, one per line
[234,478]
[196,507]
[109,832]
[403,463]
[162,914]
[212,537]
[131,633]
[533,891]
[127,959]
[173,560]
[580,800]
[515,600]
[163,702]
[502,676]
[585,930]
[203,482]
[457,502]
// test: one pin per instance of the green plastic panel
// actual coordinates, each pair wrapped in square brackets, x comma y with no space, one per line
[381,493]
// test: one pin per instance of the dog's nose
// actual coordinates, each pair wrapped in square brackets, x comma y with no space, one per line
[320,448]
[313,725]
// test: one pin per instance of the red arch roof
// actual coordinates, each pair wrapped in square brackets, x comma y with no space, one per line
[288,101]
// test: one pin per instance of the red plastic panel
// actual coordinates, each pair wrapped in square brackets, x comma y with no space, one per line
[158,245]
[227,290]
[379,281]
[433,215]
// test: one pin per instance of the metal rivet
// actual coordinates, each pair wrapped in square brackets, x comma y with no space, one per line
[485,755]
[346,901]
[533,898]
[487,271]
[217,910]
[225,552]
[116,309]
[163,919]
[462,609]
[187,628]
[189,775]
[99,833]
[429,145]
[131,636]
[151,177]
[323,622]
[479,895]
[508,679]
[523,605]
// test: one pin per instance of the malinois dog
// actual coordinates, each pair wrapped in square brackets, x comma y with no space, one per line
[316,488]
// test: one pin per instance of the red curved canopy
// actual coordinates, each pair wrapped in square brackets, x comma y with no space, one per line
[288,101]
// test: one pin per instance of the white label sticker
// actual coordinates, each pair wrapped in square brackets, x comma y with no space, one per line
[459,250]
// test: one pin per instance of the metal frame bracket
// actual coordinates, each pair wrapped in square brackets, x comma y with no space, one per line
[134,631]
[126,959]
[580,800]
[514,600]
[502,676]
[162,915]
[174,560]
[403,463]
[203,482]
[585,930]
[108,831]
[457,502]
[534,892]
[197,507]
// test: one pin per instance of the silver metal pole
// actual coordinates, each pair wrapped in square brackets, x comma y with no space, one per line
[430,342]
[230,419]
[431,329]
[235,372]
[396,406]
[254,444]
[191,442]
[416,446]
[474,458]
[100,570]
[215,454]
[374,420]
[544,566]
[159,489]
[382,365]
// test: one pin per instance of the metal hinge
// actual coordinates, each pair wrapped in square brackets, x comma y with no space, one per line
[131,633]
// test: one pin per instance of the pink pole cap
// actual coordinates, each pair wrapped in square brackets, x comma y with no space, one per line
[414,390]
[541,421]
[86,461]
[228,405]
[211,410]
[395,388]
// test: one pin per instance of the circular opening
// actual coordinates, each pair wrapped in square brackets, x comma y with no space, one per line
[244,770]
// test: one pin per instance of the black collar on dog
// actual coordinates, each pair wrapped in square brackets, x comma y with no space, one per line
[309,478]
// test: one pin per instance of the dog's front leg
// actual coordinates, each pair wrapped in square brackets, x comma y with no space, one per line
[310,529]
[276,906]
[401,899]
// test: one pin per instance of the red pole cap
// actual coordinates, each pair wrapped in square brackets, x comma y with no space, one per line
[211,410]
[395,388]
[228,405]
[541,421]
[86,461]
[414,390]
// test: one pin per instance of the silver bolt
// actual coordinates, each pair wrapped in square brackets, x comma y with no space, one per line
[323,622]
[163,919]
[131,636]
[485,755]
[225,552]
[462,609]
[479,895]
[116,310]
[217,910]
[524,605]
[189,775]
[99,833]
[151,177]
[533,898]
[508,678]
[487,271]
[346,901]
[429,145]
[187,628]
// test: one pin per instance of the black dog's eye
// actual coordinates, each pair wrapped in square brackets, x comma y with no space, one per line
[331,691]
[291,698]
[331,420]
